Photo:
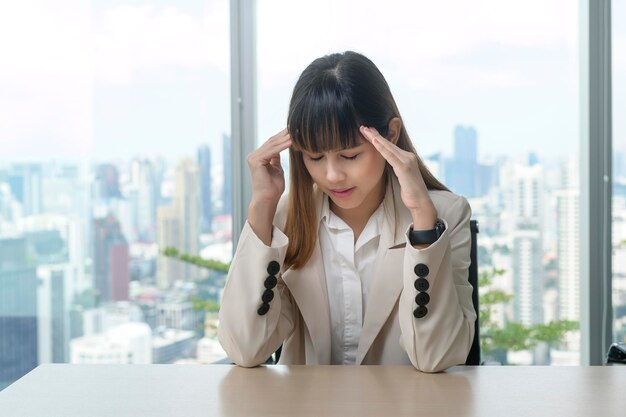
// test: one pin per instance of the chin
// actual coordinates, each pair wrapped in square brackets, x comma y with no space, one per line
[346,205]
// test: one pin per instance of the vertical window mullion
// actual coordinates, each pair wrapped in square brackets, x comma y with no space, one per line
[243,106]
[596,250]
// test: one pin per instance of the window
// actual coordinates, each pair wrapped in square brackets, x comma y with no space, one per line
[619,169]
[115,130]
[493,107]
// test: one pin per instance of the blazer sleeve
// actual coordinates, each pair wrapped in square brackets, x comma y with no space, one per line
[438,326]
[257,312]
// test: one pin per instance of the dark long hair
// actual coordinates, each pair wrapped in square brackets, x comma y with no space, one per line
[334,96]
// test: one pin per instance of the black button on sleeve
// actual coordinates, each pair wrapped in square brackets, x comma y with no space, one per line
[420,312]
[421,270]
[268,295]
[421,284]
[273,268]
[263,309]
[270,282]
[422,298]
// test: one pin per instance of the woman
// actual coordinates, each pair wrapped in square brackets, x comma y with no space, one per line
[365,260]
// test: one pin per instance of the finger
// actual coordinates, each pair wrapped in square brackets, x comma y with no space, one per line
[279,137]
[275,162]
[272,147]
[388,150]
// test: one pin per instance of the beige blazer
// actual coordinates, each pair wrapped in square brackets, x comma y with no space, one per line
[299,317]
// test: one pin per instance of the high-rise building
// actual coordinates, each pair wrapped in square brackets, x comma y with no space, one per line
[527,244]
[167,236]
[204,162]
[144,196]
[178,226]
[108,183]
[227,175]
[25,181]
[186,201]
[568,244]
[527,276]
[461,169]
[111,260]
[54,294]
[18,311]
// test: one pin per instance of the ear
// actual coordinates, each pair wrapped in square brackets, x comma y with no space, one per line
[393,131]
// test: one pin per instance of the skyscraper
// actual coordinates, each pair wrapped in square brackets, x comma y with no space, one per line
[25,182]
[527,244]
[111,259]
[186,201]
[568,244]
[108,184]
[227,175]
[144,196]
[167,236]
[178,226]
[461,170]
[18,311]
[204,162]
[55,291]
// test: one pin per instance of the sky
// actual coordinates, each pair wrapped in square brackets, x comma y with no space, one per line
[114,79]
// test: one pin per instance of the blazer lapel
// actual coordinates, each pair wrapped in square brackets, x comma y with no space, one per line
[308,288]
[387,283]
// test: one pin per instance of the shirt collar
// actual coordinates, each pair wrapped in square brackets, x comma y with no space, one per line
[372,229]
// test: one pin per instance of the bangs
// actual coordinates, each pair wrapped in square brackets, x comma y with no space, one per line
[324,120]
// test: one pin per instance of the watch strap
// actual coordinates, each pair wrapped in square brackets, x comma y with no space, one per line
[426,237]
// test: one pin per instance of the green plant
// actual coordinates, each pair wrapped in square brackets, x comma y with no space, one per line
[211,264]
[496,340]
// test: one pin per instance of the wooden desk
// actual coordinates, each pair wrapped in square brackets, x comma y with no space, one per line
[224,390]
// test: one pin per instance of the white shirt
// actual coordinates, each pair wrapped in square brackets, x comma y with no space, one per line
[348,267]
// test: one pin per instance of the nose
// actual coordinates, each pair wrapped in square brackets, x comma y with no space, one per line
[334,172]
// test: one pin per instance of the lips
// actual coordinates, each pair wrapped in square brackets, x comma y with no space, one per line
[342,192]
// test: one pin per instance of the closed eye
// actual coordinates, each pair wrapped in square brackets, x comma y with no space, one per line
[316,158]
[351,157]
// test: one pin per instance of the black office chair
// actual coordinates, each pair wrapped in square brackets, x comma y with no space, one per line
[473,358]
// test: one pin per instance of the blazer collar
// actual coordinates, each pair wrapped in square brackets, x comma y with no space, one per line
[388,268]
[308,284]
[308,288]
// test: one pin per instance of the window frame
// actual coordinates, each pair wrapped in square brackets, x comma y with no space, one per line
[596,313]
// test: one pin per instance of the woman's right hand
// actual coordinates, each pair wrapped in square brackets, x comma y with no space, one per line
[268,183]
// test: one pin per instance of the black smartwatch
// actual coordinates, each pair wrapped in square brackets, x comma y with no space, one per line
[426,237]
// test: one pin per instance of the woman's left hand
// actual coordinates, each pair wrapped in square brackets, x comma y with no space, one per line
[413,189]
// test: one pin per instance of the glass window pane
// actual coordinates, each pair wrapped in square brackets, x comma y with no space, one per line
[488,91]
[115,134]
[618,10]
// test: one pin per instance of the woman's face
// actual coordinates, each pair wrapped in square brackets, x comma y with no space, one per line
[352,178]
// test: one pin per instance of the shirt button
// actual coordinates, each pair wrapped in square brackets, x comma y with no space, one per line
[421,284]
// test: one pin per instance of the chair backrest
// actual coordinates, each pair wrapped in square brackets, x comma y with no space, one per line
[473,358]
